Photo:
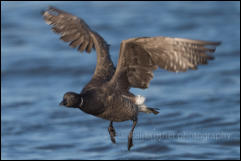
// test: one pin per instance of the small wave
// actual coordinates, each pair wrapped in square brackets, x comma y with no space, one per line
[55,146]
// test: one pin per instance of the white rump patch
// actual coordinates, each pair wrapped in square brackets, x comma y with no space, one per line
[139,100]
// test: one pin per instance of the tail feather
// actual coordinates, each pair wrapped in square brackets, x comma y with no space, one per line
[145,109]
[153,110]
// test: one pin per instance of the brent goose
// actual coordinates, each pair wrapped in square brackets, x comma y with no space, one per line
[107,94]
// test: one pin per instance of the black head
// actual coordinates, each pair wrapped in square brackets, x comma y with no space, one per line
[72,99]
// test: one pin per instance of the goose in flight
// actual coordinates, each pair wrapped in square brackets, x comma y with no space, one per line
[107,94]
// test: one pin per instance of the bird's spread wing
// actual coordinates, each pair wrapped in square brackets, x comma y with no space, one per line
[79,34]
[139,57]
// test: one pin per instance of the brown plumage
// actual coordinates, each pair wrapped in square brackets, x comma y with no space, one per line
[107,94]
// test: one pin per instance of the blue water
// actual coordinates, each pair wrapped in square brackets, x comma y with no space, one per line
[199,110]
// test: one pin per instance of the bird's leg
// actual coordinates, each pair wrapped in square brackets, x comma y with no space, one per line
[112,132]
[130,142]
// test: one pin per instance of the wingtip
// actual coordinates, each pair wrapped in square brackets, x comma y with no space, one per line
[42,12]
[214,43]
[51,7]
[218,43]
[48,9]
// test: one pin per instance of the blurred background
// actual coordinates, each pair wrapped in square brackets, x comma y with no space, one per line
[199,110]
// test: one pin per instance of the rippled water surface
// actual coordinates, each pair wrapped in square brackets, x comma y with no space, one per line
[199,110]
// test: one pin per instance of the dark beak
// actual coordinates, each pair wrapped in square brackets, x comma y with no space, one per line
[61,103]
